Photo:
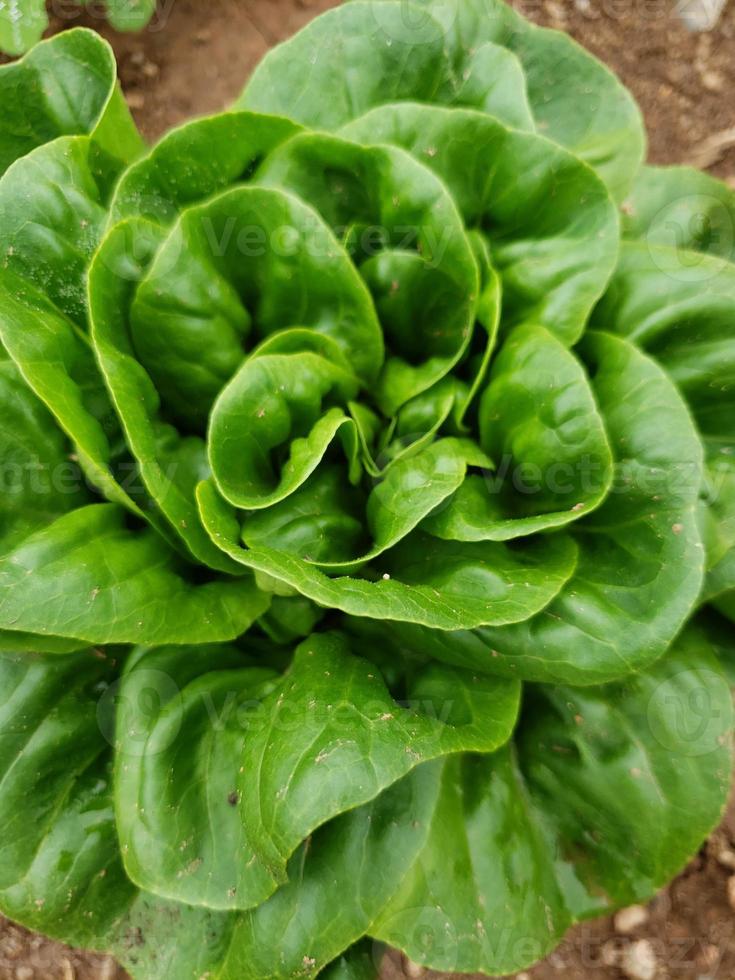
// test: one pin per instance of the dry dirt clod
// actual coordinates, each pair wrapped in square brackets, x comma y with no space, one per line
[713,81]
[726,857]
[638,961]
[108,969]
[710,957]
[700,15]
[136,100]
[610,953]
[630,919]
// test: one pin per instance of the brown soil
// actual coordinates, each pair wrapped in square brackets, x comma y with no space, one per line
[194,59]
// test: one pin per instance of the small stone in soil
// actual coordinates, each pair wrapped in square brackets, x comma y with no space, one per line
[411,969]
[731,891]
[630,919]
[638,961]
[713,81]
[710,957]
[610,953]
[726,857]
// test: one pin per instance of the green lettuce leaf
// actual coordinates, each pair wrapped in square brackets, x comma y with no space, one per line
[683,208]
[641,558]
[553,266]
[65,86]
[568,793]
[526,842]
[255,795]
[474,54]
[677,305]
[89,577]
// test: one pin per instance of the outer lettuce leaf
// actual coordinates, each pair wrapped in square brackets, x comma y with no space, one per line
[678,305]
[63,87]
[89,577]
[54,208]
[361,856]
[613,750]
[293,78]
[39,481]
[682,208]
[453,54]
[62,873]
[281,759]
[22,22]
[594,115]
[526,842]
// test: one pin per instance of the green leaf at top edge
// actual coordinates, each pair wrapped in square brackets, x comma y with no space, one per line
[574,98]
[130,15]
[304,78]
[22,25]
[448,52]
